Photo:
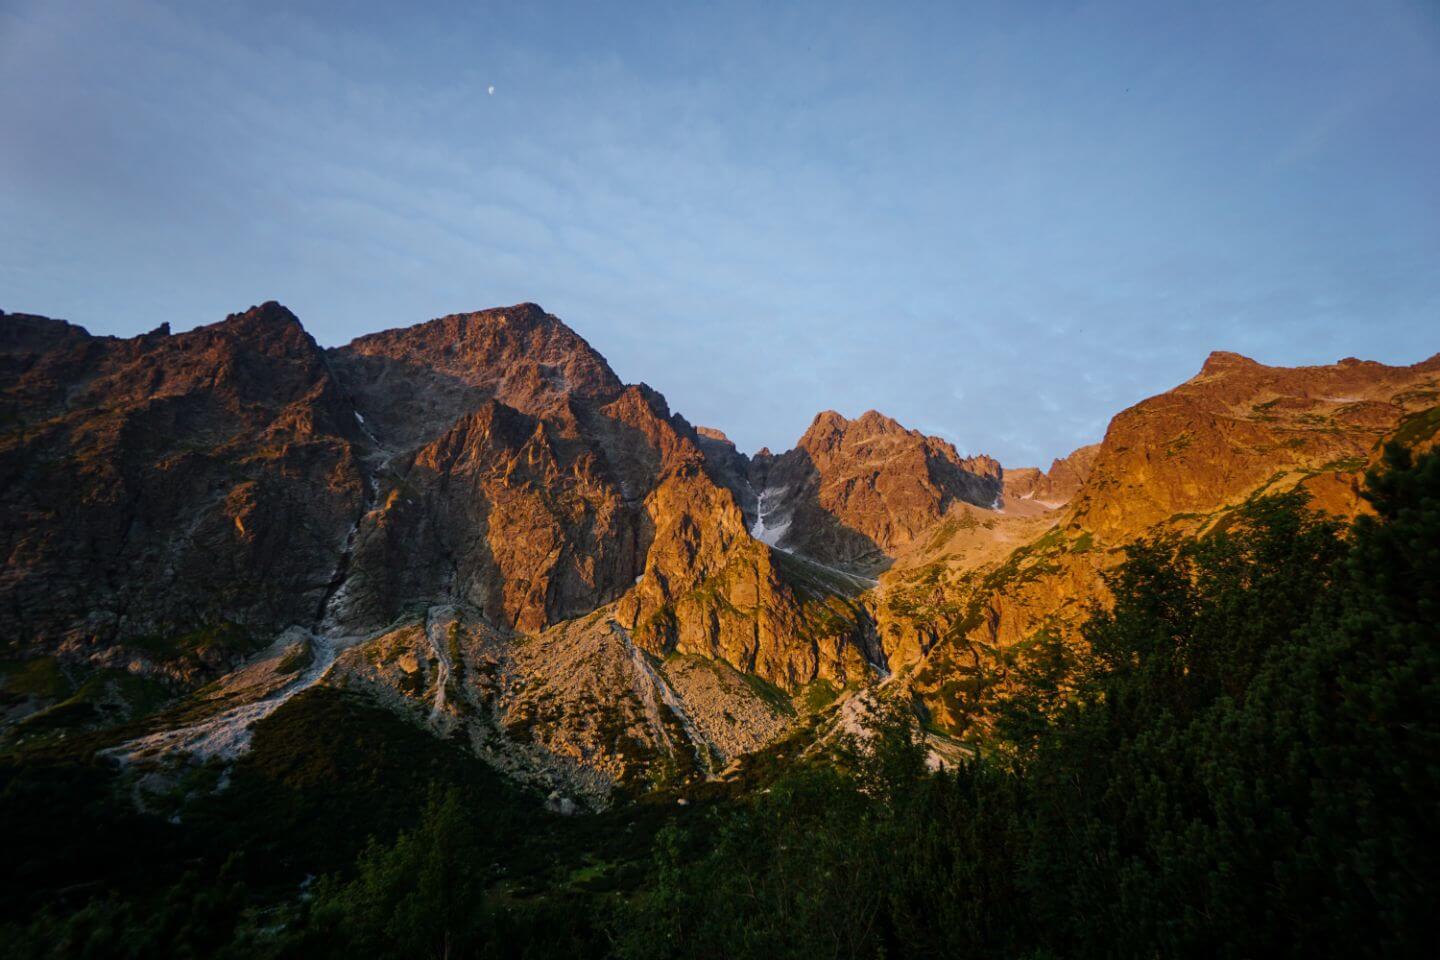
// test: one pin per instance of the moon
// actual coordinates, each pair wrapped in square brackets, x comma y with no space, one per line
[490,89]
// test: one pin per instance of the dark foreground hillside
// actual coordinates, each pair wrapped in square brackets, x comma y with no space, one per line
[1244,761]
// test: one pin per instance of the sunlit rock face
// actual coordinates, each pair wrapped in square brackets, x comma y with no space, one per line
[1054,487]
[474,522]
[176,504]
[855,492]
[961,613]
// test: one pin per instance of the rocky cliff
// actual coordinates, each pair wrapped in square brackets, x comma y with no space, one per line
[967,624]
[854,492]
[1053,487]
[474,522]
[178,503]
[167,485]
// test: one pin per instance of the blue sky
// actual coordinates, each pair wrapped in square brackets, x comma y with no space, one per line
[998,222]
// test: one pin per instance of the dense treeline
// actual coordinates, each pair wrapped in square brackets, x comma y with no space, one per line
[1243,761]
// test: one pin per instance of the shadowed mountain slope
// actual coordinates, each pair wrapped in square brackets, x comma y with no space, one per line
[473,522]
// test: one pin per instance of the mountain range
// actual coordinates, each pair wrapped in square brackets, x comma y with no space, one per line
[474,524]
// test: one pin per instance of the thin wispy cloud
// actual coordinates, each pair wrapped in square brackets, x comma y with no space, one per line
[1005,228]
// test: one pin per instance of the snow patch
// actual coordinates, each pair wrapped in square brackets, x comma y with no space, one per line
[772,535]
[762,529]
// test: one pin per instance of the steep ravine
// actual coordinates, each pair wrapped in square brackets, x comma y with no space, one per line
[227,734]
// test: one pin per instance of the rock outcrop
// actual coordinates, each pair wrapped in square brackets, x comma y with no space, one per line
[1054,487]
[854,492]
[1234,426]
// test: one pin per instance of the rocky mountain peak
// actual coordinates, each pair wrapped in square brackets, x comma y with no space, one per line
[526,312]
[270,312]
[520,353]
[411,382]
[267,326]
[855,491]
[1221,435]
[830,430]
[29,333]
[1053,487]
[824,429]
[874,420]
[710,433]
[1223,361]
[206,475]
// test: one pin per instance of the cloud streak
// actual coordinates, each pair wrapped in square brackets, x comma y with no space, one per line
[1003,223]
